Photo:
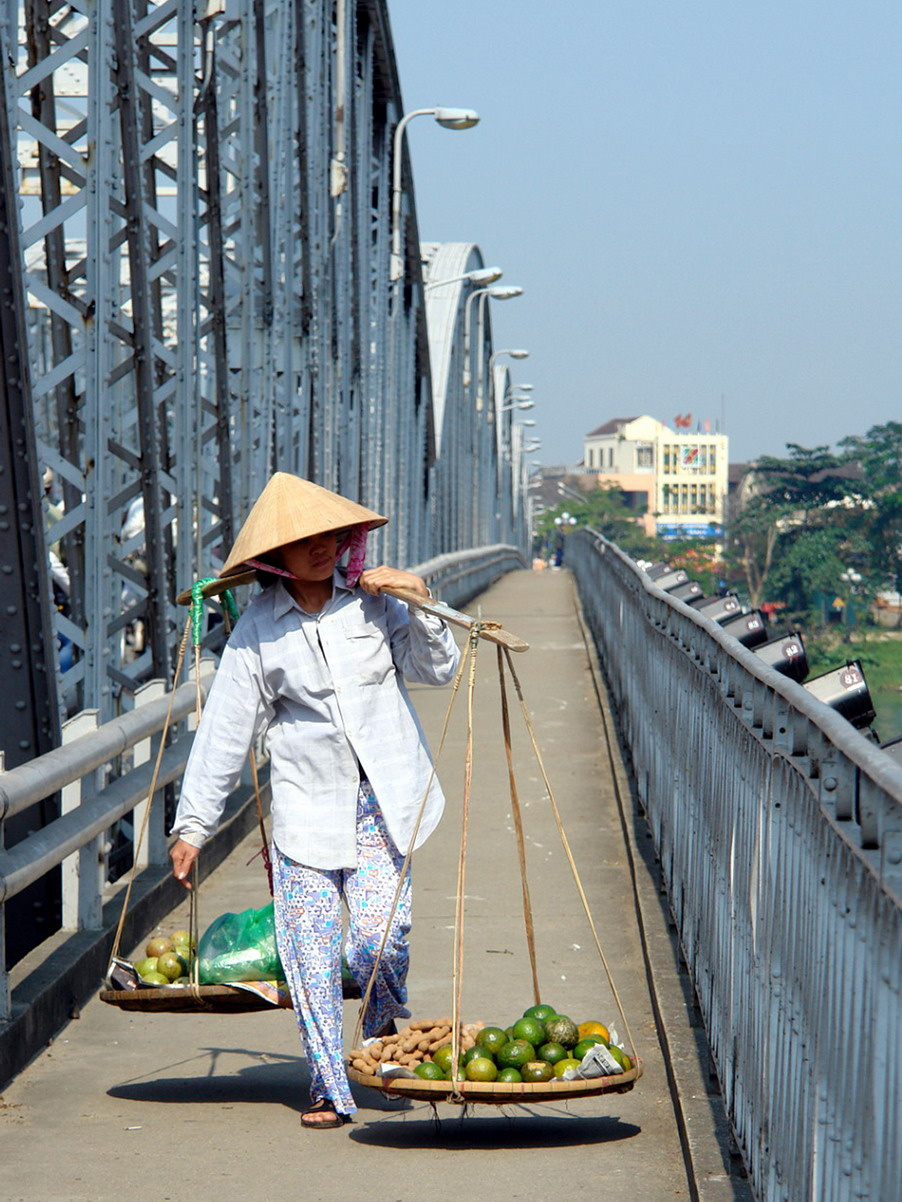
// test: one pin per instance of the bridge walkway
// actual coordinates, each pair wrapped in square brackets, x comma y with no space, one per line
[156,1107]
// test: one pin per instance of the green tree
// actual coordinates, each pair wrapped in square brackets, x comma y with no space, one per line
[878,454]
[792,538]
[602,509]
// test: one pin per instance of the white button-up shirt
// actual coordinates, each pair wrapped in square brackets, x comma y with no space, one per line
[326,691]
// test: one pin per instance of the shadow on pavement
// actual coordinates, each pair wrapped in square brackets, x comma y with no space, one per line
[520,1127]
[279,1080]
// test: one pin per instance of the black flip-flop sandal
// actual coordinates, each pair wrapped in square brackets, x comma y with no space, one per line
[320,1107]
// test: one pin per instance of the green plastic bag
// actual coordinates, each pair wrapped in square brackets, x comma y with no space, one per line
[240,947]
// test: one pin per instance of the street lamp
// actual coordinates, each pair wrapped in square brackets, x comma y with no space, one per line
[479,276]
[500,292]
[852,579]
[518,405]
[448,119]
[513,354]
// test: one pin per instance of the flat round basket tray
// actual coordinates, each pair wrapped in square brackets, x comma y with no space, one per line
[183,999]
[499,1093]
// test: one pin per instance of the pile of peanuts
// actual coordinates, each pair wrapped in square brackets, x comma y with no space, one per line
[411,1046]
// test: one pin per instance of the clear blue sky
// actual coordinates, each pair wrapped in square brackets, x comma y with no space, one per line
[701,198]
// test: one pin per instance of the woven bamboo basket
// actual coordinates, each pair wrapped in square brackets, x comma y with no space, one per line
[498,1093]
[185,999]
[209,999]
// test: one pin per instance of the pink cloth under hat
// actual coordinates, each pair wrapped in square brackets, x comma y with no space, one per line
[356,541]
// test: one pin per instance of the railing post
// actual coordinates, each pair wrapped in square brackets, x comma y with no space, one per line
[153,849]
[84,874]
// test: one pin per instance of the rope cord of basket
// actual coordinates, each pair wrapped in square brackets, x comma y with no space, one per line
[153,788]
[469,658]
[413,838]
[565,843]
[518,826]
[194,630]
[457,974]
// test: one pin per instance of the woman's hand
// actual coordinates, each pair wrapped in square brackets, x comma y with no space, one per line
[374,580]
[183,856]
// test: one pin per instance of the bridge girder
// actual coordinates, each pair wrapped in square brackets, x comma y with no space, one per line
[205,229]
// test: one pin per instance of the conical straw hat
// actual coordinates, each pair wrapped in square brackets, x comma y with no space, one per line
[290,508]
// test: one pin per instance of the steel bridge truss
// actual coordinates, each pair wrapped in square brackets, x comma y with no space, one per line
[205,231]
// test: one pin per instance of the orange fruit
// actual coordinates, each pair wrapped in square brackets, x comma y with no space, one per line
[481,1068]
[429,1071]
[562,1065]
[515,1054]
[536,1070]
[593,1028]
[443,1058]
[509,1075]
[621,1057]
[477,1053]
[584,1044]
[542,1012]
[492,1039]
[552,1052]
[531,1030]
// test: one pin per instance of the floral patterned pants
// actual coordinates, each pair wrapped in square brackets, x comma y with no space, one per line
[309,930]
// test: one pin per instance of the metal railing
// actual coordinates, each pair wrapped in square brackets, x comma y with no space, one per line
[779,832]
[104,773]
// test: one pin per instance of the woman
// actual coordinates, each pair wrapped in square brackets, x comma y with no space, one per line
[315,665]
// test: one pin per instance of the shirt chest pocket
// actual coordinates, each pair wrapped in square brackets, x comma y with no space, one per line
[369,656]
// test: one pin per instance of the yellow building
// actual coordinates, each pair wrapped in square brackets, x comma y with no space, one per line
[683,475]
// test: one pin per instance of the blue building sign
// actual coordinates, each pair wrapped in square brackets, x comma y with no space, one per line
[706,530]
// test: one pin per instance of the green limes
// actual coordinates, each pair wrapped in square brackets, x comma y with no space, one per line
[562,1030]
[621,1057]
[480,1068]
[155,978]
[492,1039]
[509,1075]
[532,1031]
[562,1065]
[477,1053]
[443,1058]
[542,1012]
[429,1071]
[515,1054]
[537,1070]
[552,1052]
[584,1044]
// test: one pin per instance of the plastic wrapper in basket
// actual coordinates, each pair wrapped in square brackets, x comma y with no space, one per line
[240,947]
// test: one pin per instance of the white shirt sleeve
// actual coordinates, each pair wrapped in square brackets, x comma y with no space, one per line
[236,711]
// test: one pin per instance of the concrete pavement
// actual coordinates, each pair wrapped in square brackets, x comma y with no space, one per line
[154,1107]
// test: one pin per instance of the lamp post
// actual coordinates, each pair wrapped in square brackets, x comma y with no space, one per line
[514,354]
[479,276]
[852,579]
[563,522]
[448,119]
[517,404]
[500,292]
